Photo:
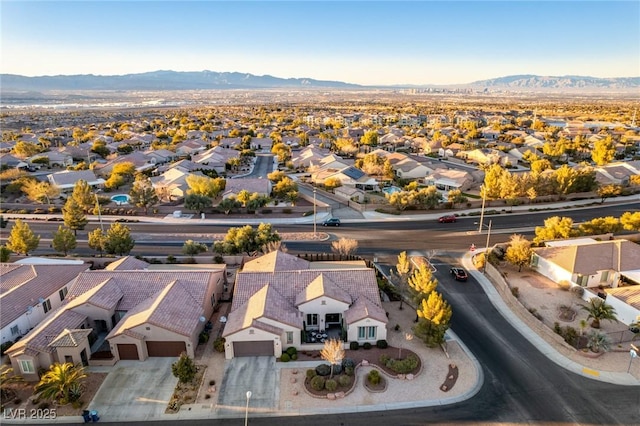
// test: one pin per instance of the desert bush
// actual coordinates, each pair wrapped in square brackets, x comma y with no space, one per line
[311,373]
[331,385]
[577,290]
[323,370]
[284,357]
[564,285]
[218,344]
[348,362]
[317,383]
[291,350]
[349,371]
[382,344]
[294,357]
[515,291]
[344,381]
[184,369]
[403,366]
[384,358]
[373,377]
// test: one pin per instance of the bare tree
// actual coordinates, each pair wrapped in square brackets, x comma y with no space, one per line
[344,246]
[273,246]
[333,353]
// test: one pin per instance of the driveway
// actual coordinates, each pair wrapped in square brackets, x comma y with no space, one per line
[142,389]
[256,374]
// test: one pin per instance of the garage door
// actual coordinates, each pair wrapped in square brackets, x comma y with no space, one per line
[257,348]
[128,351]
[160,349]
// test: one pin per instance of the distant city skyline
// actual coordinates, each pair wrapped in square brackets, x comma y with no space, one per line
[361,42]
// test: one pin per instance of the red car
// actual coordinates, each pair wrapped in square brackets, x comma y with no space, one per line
[447,219]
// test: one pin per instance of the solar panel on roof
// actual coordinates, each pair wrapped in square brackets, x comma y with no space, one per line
[353,173]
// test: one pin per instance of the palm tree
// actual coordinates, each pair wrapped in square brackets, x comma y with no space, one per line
[599,310]
[6,379]
[598,342]
[61,383]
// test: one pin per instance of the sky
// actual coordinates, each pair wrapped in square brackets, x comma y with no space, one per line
[361,42]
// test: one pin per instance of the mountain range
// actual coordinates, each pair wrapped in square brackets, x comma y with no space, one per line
[211,80]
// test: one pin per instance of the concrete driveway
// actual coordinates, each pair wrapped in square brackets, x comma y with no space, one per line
[256,374]
[135,390]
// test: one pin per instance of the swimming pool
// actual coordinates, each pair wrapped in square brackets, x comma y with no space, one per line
[121,199]
[391,189]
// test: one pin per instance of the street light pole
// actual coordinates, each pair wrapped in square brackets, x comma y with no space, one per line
[314,212]
[486,253]
[99,213]
[246,411]
[483,193]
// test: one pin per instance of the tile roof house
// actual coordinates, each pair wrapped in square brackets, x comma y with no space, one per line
[592,264]
[140,313]
[172,184]
[30,293]
[66,180]
[234,186]
[280,300]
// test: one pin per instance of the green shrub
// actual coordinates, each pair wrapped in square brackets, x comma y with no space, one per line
[311,373]
[184,368]
[349,371]
[284,357]
[203,337]
[577,290]
[294,357]
[384,358]
[291,350]
[367,345]
[373,377]
[354,346]
[323,370]
[348,362]
[218,344]
[317,383]
[331,385]
[382,344]
[403,366]
[344,381]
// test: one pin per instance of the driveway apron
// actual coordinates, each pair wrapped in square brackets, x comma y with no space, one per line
[256,374]
[135,390]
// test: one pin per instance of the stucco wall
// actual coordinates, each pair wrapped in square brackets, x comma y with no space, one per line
[321,306]
[381,332]
[251,334]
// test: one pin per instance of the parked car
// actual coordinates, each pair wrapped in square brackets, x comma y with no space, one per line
[334,221]
[459,274]
[447,219]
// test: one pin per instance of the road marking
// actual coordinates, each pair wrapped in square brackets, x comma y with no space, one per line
[590,371]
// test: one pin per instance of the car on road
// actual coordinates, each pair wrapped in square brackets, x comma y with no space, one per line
[447,219]
[459,274]
[334,221]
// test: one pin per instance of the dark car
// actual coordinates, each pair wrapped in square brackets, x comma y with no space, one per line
[334,221]
[447,219]
[459,274]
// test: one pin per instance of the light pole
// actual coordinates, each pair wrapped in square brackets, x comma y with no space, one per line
[314,212]
[634,354]
[99,213]
[246,411]
[483,193]
[486,252]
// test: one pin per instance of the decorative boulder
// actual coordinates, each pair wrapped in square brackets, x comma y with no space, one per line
[331,396]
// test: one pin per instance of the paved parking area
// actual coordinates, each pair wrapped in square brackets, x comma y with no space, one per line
[143,388]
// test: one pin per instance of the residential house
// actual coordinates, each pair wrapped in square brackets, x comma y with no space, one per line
[217,157]
[172,184]
[30,292]
[280,299]
[138,312]
[348,176]
[140,161]
[161,156]
[595,265]
[308,156]
[191,147]
[10,161]
[55,158]
[234,186]
[66,180]
[261,144]
[446,180]
[618,173]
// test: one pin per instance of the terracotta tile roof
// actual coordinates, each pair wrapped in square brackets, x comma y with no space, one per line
[47,331]
[22,285]
[629,295]
[69,338]
[268,328]
[234,186]
[588,259]
[172,308]
[138,286]
[364,308]
[322,286]
[266,303]
[129,263]
[276,261]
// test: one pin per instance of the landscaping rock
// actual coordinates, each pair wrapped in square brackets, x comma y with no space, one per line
[331,396]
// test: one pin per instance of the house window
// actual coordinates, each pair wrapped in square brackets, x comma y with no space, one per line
[15,330]
[289,337]
[583,280]
[312,319]
[46,305]
[367,333]
[324,302]
[252,331]
[534,260]
[26,366]
[604,277]
[63,293]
